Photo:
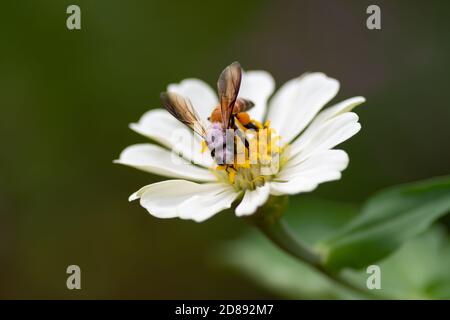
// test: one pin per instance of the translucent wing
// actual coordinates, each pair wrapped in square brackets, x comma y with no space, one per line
[228,87]
[242,105]
[182,109]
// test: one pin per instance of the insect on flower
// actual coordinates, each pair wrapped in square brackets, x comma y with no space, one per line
[256,148]
[229,119]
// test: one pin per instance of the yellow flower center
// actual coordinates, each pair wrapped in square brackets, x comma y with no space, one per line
[258,156]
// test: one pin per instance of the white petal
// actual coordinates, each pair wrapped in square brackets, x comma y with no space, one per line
[180,198]
[257,86]
[157,160]
[157,124]
[307,175]
[297,102]
[161,126]
[202,96]
[324,136]
[335,110]
[202,207]
[252,200]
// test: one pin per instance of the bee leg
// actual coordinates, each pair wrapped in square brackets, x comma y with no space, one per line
[247,144]
[251,126]
[242,137]
[232,123]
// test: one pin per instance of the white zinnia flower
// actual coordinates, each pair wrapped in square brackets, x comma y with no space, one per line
[308,137]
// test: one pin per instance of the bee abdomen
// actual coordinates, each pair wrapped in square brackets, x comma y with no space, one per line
[216,140]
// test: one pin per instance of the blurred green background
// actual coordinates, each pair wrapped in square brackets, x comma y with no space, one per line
[67,98]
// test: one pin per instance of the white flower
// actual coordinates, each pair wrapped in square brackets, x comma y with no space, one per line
[308,134]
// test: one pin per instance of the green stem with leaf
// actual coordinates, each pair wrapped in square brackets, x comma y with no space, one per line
[268,220]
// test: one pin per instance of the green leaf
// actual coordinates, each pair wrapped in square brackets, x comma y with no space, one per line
[264,263]
[418,270]
[388,219]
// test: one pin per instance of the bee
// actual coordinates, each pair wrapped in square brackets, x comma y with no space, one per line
[231,113]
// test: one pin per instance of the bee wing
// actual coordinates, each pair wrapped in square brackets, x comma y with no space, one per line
[242,105]
[182,109]
[228,87]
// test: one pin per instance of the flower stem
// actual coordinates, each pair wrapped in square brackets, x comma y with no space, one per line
[278,231]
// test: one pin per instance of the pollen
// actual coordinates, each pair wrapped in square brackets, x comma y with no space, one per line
[243,117]
[231,176]
[204,146]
